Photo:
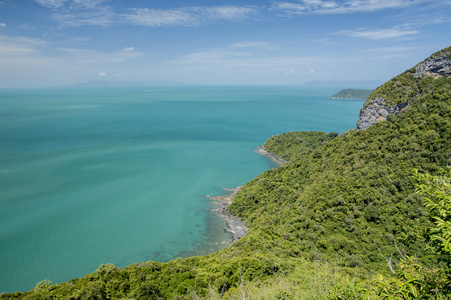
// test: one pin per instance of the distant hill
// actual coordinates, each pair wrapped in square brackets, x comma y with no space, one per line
[352,94]
[106,84]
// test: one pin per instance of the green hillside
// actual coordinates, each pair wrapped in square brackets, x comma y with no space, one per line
[352,94]
[342,209]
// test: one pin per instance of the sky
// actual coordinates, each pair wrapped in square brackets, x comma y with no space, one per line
[46,43]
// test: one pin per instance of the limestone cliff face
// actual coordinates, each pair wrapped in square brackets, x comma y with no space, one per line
[377,108]
[438,65]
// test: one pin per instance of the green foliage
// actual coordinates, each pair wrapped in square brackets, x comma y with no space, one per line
[355,194]
[309,280]
[404,87]
[340,203]
[401,88]
[297,144]
[412,279]
[438,201]
[352,94]
[178,279]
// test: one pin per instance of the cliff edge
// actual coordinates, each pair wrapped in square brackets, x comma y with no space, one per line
[378,106]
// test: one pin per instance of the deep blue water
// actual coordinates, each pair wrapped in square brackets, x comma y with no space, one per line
[93,176]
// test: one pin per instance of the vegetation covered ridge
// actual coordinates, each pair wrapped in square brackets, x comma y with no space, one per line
[395,95]
[343,218]
[410,83]
[352,94]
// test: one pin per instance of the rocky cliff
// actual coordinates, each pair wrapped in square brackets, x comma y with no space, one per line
[437,65]
[377,107]
[376,110]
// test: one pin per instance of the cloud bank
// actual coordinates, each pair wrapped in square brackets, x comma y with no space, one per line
[97,13]
[378,34]
[341,7]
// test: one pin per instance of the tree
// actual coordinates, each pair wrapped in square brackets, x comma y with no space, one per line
[412,280]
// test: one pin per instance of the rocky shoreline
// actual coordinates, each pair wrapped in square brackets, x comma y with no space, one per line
[275,158]
[235,226]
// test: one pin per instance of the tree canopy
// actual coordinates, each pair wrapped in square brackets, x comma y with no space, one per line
[342,209]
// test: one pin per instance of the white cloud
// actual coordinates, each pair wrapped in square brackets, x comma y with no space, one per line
[74,4]
[18,46]
[23,62]
[223,59]
[128,49]
[235,69]
[32,62]
[389,53]
[2,25]
[93,12]
[430,18]
[226,13]
[256,46]
[101,16]
[378,34]
[86,57]
[401,49]
[251,44]
[340,7]
[52,3]
[80,12]
[290,8]
[86,3]
[187,16]
[157,17]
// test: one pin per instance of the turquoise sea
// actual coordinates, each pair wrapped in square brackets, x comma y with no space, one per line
[94,176]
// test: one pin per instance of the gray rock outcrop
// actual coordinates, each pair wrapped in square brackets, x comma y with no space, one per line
[438,65]
[377,109]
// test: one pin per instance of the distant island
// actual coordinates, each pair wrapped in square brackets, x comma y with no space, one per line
[352,94]
[110,84]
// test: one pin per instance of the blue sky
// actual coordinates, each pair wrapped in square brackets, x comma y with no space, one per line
[58,42]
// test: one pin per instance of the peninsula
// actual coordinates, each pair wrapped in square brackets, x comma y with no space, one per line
[352,94]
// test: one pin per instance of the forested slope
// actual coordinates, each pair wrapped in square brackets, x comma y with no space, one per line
[320,223]
[355,195]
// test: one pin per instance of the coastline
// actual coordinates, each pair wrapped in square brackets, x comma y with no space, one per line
[235,226]
[275,158]
[343,98]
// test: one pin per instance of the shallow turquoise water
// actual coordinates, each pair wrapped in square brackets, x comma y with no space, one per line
[93,176]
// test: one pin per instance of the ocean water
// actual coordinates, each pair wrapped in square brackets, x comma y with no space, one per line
[94,176]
